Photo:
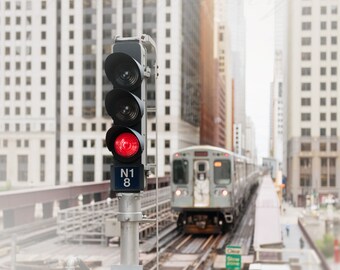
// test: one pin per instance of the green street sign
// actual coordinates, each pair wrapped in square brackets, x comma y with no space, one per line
[233,257]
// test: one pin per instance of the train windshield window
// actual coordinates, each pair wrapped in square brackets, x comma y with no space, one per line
[180,171]
[222,172]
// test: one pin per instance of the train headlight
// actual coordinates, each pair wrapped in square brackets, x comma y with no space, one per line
[181,192]
[221,192]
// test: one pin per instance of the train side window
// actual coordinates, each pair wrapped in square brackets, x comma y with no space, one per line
[222,172]
[180,171]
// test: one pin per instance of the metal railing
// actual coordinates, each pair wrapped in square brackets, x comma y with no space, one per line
[86,223]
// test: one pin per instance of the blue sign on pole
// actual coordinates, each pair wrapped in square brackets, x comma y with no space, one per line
[127,179]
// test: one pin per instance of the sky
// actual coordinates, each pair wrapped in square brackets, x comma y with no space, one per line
[259,16]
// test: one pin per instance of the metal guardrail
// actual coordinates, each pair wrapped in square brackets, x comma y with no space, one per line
[86,224]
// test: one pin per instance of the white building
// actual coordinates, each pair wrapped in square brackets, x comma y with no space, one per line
[276,111]
[312,105]
[52,85]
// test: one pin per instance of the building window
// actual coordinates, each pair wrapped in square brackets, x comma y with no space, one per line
[306,56]
[305,147]
[306,26]
[323,56]
[323,10]
[306,41]
[334,25]
[322,101]
[167,126]
[323,147]
[70,177]
[305,101]
[167,143]
[334,55]
[305,117]
[88,168]
[305,172]
[306,11]
[22,168]
[305,132]
[322,86]
[322,116]
[305,71]
[322,132]
[334,10]
[334,40]
[333,70]
[3,168]
[334,147]
[333,116]
[42,168]
[333,101]
[333,132]
[166,159]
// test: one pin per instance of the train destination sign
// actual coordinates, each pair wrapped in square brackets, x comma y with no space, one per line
[127,179]
[233,257]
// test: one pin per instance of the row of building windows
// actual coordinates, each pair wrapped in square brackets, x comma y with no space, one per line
[307,41]
[327,172]
[333,9]
[17,5]
[307,147]
[307,56]
[307,86]
[22,169]
[306,132]
[323,116]
[307,71]
[307,101]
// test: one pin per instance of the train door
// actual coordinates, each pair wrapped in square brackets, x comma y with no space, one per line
[201,183]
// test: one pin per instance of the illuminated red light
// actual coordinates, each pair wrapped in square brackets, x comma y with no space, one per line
[126,145]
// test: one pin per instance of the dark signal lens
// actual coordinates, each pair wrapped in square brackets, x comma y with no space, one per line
[127,110]
[126,145]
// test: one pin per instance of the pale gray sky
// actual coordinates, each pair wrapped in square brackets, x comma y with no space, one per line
[259,67]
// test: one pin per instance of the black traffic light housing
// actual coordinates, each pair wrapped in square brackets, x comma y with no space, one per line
[125,103]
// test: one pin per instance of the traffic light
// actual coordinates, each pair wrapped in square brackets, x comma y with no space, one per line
[126,69]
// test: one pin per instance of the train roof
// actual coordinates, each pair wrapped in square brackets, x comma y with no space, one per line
[212,148]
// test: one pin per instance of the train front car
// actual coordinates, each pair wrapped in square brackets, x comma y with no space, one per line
[202,189]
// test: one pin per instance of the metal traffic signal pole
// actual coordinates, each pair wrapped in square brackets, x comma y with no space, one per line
[126,69]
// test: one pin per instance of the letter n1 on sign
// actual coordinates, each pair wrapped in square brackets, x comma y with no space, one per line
[127,179]
[233,257]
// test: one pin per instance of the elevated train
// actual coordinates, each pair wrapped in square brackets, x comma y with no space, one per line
[209,187]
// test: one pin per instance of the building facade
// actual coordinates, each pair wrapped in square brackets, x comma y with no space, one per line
[236,22]
[52,85]
[276,112]
[312,101]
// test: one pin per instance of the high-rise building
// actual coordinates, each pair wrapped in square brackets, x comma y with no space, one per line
[276,111]
[215,76]
[52,84]
[312,103]
[278,101]
[29,78]
[236,22]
